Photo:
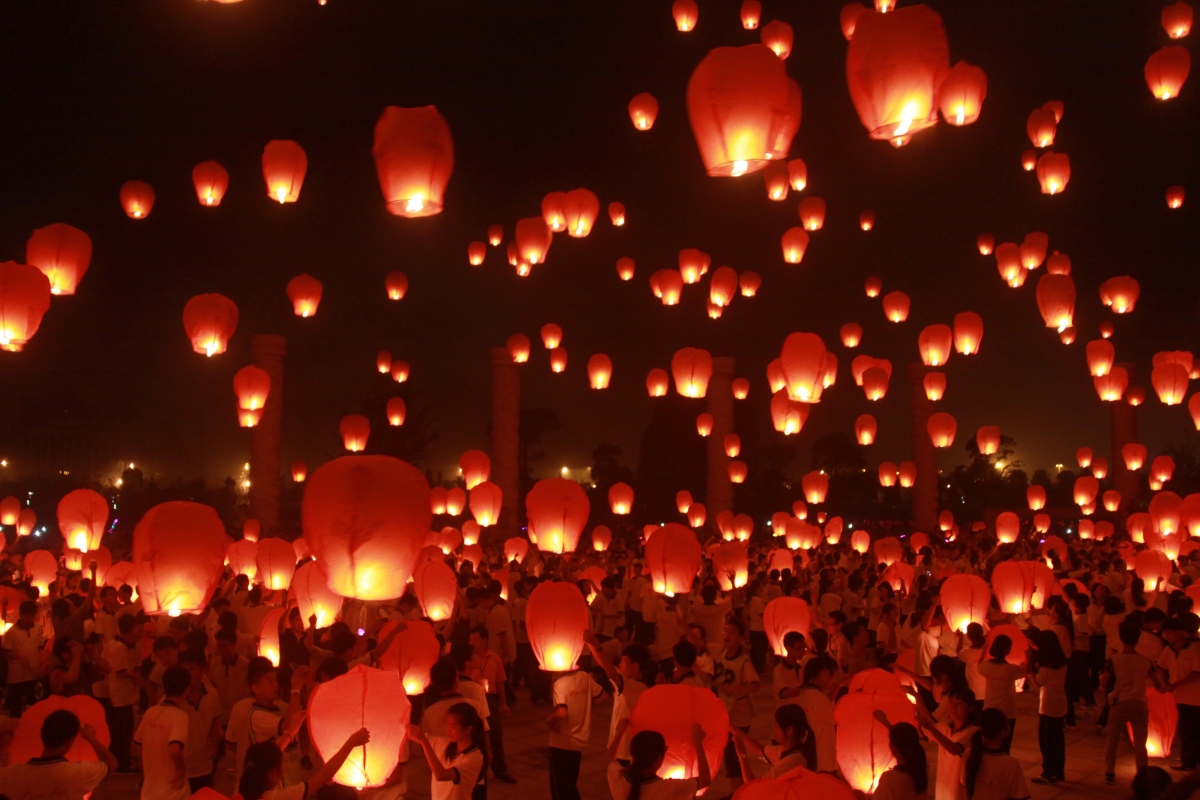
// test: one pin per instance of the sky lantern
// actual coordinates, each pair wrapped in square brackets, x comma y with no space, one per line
[848,18]
[1111,500]
[553,213]
[364,697]
[1165,511]
[383,362]
[601,538]
[794,242]
[935,385]
[782,616]
[211,180]
[1153,568]
[299,471]
[1170,381]
[751,13]
[41,569]
[533,237]
[1029,160]
[210,320]
[1111,387]
[788,415]
[1035,496]
[907,473]
[803,363]
[749,282]
[355,429]
[1085,490]
[674,711]
[24,299]
[1167,70]
[1100,357]
[1120,294]
[896,306]
[797,174]
[436,588]
[1041,127]
[816,487]
[179,553]
[669,286]
[692,369]
[580,209]
[693,264]
[251,530]
[1134,456]
[1161,470]
[276,562]
[860,541]
[866,220]
[476,252]
[1013,583]
[968,332]
[722,286]
[731,565]
[82,515]
[485,503]
[962,94]
[414,650]
[516,549]
[863,753]
[986,243]
[775,178]
[313,595]
[414,158]
[935,343]
[475,467]
[697,515]
[875,383]
[941,427]
[284,165]
[775,376]
[518,347]
[495,235]
[396,284]
[366,518]
[1177,21]
[1053,172]
[1164,714]
[887,474]
[252,387]
[673,559]
[305,293]
[1100,467]
[1067,335]
[851,334]
[625,268]
[1174,196]
[777,35]
[137,198]
[1058,264]
[552,335]
[242,558]
[987,439]
[683,501]
[685,14]
[620,498]
[873,286]
[599,369]
[616,213]
[557,510]
[738,471]
[743,108]
[1008,527]
[643,110]
[865,429]
[656,382]
[399,371]
[895,65]
[1056,300]
[555,620]
[62,253]
[1008,260]
[812,213]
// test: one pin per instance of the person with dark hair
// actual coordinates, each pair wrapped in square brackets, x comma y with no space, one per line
[124,686]
[163,738]
[990,772]
[736,681]
[263,716]
[909,779]
[788,676]
[227,672]
[710,614]
[953,736]
[486,669]
[1051,676]
[66,668]
[570,724]
[69,615]
[166,655]
[22,645]
[797,744]
[50,775]
[203,708]
[628,679]
[684,657]
[1179,668]
[1002,678]
[264,771]
[970,657]
[816,700]
[457,761]
[1126,680]
[1151,783]
[638,779]
[756,605]
[446,688]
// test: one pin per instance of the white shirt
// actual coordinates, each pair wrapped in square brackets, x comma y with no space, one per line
[1000,778]
[623,703]
[575,692]
[1179,666]
[949,766]
[657,789]
[51,779]
[465,766]
[200,720]
[123,690]
[819,710]
[162,726]
[896,785]
[250,723]
[27,645]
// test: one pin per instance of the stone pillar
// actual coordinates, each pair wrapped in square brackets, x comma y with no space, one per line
[266,438]
[925,489]
[1124,431]
[506,433]
[719,400]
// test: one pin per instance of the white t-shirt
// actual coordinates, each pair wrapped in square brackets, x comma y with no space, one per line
[1179,666]
[949,766]
[250,723]
[466,767]
[27,646]
[574,691]
[977,683]
[1001,689]
[657,789]
[896,785]
[623,703]
[162,726]
[51,779]
[819,710]
[1000,778]
[123,690]
[1052,701]
[200,719]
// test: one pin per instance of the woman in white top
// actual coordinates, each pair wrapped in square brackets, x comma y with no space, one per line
[263,771]
[953,737]
[991,773]
[640,781]
[797,748]
[457,762]
[909,779]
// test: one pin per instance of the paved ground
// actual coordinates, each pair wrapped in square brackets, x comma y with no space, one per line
[525,743]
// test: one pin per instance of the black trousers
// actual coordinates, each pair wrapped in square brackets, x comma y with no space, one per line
[496,733]
[1189,735]
[120,728]
[733,767]
[564,773]
[203,782]
[18,697]
[759,645]
[1012,728]
[1052,740]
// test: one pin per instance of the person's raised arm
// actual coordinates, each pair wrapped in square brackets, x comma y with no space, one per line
[705,777]
[745,740]
[386,641]
[89,735]
[325,774]
[929,725]
[440,771]
[602,658]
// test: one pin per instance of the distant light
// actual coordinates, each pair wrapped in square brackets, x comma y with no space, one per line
[245,484]
[3,462]
[120,483]
[131,465]
[246,466]
[1058,467]
[1000,465]
[565,471]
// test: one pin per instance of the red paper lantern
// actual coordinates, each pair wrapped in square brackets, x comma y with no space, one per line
[556,617]
[62,253]
[1013,583]
[82,517]
[1053,172]
[557,510]
[414,158]
[782,616]
[1167,70]
[673,559]
[962,94]
[355,429]
[284,164]
[863,753]
[179,551]
[778,36]
[210,320]
[364,697]
[137,198]
[692,369]
[673,710]
[211,180]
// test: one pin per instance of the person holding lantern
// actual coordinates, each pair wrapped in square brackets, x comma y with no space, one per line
[628,682]
[570,725]
[263,773]
[736,682]
[639,780]
[457,761]
[797,744]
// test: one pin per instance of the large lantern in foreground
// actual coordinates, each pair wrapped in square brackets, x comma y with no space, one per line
[210,320]
[672,710]
[895,65]
[743,108]
[1167,70]
[414,157]
[211,180]
[82,515]
[673,559]
[863,753]
[364,697]
[284,164]
[692,369]
[557,510]
[962,94]
[62,253]
[366,518]
[24,299]
[782,616]
[179,551]
[555,619]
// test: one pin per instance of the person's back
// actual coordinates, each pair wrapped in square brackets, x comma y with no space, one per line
[163,737]
[50,776]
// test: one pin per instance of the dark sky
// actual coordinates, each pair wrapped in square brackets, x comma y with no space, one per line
[535,92]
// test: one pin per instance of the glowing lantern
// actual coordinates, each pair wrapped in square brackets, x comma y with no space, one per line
[1112,386]
[1174,196]
[740,388]
[1029,160]
[743,108]
[1167,70]
[251,530]
[414,650]
[782,616]
[643,110]
[743,527]
[875,383]
[887,474]
[305,293]
[515,549]
[1177,22]
[601,538]
[722,286]
[313,595]
[364,697]
[802,361]
[62,253]
[1085,490]
[865,429]
[620,498]
[833,530]
[82,515]
[1058,264]
[396,284]
[866,220]
[276,561]
[751,13]
[987,438]
[816,487]
[242,558]
[1035,496]
[863,753]
[794,243]
[1154,568]
[1041,127]
[580,209]
[210,320]
[907,473]
[366,518]
[1100,468]
[1008,526]
[656,382]
[399,371]
[775,177]
[673,711]
[1053,172]
[137,198]
[1120,294]
[485,502]
[896,306]
[555,620]
[812,213]
[851,334]
[1008,261]
[616,214]
[1084,456]
[693,264]
[1100,357]
[895,65]
[299,471]
[599,369]
[683,501]
[697,515]
[860,541]
[557,510]
[1170,382]
[1056,300]
[625,267]
[1166,512]
[26,741]
[935,385]
[738,471]
[942,427]
[848,18]
[731,565]
[685,14]
[777,35]
[414,157]
[284,165]
[1013,583]
[1134,455]
[436,588]
[692,369]
[1161,470]
[1164,715]
[179,552]
[962,94]
[788,415]
[935,342]
[1111,500]
[797,174]
[533,237]
[211,180]
[41,569]
[673,559]
[355,429]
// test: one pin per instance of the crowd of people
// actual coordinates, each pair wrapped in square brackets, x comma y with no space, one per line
[180,694]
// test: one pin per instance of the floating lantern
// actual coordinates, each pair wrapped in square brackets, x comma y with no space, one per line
[962,94]
[284,165]
[62,253]
[1053,172]
[557,510]
[863,752]
[486,504]
[896,306]
[1167,70]
[692,369]
[396,284]
[414,158]
[364,697]
[794,243]
[643,110]
[211,180]
[179,552]
[355,429]
[137,198]
[82,517]
[210,320]
[276,561]
[305,293]
[778,36]
[782,616]
[941,427]
[865,429]
[812,213]
[1056,300]
[555,619]
[673,559]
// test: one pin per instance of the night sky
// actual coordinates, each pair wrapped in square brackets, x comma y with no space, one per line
[535,93]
